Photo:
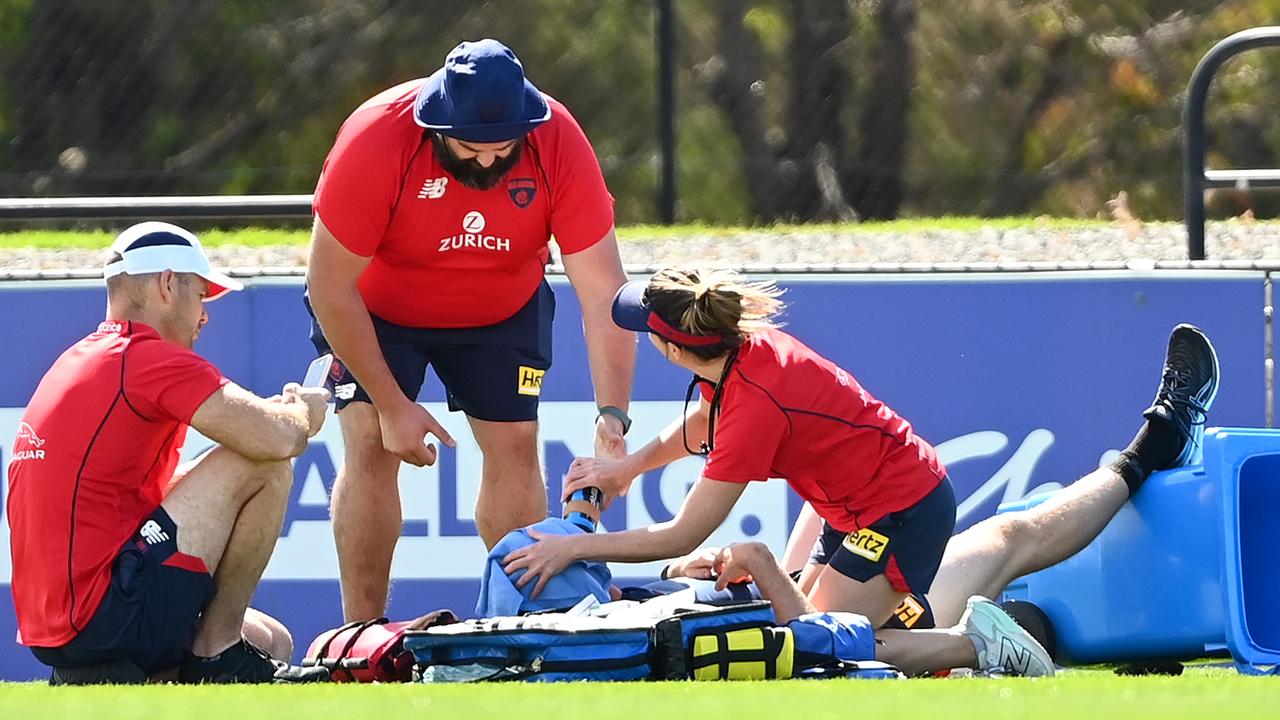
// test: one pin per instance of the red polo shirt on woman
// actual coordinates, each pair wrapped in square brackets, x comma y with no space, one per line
[787,412]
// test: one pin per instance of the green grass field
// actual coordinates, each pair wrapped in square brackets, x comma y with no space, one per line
[1092,694]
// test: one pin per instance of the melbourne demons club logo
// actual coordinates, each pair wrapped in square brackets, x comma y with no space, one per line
[522,191]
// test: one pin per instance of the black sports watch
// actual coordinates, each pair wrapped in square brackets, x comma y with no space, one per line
[615,411]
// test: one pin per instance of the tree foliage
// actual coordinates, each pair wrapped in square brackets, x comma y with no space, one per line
[786,109]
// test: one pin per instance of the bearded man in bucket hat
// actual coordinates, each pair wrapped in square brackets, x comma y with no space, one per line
[125,565]
[432,220]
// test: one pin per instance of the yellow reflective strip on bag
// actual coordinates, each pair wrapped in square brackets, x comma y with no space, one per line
[704,646]
[748,654]
[787,657]
[746,640]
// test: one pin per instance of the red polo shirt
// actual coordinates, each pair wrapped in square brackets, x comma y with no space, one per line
[96,449]
[787,412]
[444,255]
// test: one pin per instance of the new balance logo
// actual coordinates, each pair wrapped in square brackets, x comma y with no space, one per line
[153,533]
[1013,658]
[433,189]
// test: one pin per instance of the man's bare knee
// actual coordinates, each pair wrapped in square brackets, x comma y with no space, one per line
[268,633]
[271,475]
[276,474]
[1015,535]
[510,452]
[245,475]
[363,453]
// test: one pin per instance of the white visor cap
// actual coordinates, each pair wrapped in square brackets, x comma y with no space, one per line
[153,247]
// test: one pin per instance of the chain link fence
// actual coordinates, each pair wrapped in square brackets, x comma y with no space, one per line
[804,110]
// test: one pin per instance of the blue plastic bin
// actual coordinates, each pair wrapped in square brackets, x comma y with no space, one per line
[1250,459]
[1191,566]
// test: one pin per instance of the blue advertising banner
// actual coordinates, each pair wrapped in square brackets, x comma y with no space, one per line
[1023,382]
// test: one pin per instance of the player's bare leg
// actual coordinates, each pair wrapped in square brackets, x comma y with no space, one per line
[366,514]
[268,633]
[986,638]
[828,590]
[985,558]
[228,510]
[916,652]
[512,492]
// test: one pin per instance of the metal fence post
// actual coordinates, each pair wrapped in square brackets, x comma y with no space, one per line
[666,43]
[1193,124]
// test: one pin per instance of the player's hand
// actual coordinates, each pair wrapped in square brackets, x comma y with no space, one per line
[699,564]
[609,441]
[613,477]
[316,400]
[404,432]
[735,563]
[541,561]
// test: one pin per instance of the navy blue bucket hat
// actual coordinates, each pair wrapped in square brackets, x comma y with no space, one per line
[481,95]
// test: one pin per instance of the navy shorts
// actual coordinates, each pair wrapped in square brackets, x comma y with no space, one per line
[905,546]
[149,613]
[491,373]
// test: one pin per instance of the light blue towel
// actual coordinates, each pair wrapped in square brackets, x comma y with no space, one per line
[499,596]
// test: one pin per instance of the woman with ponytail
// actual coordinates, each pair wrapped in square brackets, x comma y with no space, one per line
[770,407]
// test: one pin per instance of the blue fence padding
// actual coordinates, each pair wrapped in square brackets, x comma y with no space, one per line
[1020,379]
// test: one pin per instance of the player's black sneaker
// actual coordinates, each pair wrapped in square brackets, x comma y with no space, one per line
[117,672]
[1187,389]
[245,662]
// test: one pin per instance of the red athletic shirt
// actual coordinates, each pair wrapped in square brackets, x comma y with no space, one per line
[787,412]
[445,255]
[96,449]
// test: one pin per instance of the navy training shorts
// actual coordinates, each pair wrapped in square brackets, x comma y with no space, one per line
[905,546]
[149,613]
[491,373]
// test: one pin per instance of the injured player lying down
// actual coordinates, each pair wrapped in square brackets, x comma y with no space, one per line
[984,559]
[980,561]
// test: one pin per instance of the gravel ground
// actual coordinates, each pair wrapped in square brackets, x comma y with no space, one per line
[1233,243]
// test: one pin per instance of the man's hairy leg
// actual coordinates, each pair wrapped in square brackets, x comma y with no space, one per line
[917,652]
[512,493]
[366,514]
[988,556]
[913,651]
[228,510]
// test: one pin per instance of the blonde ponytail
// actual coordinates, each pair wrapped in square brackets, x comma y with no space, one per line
[702,301]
